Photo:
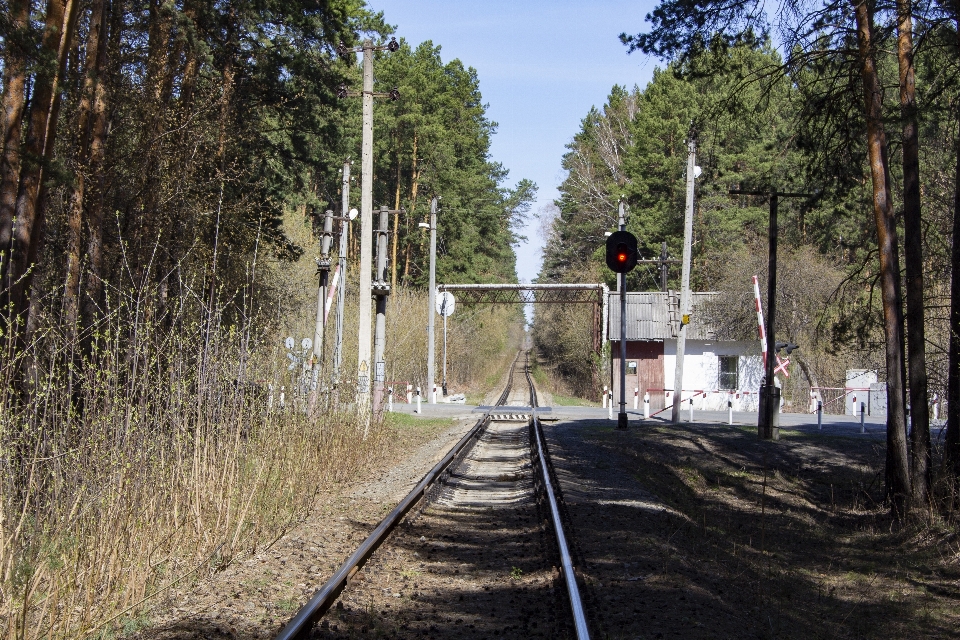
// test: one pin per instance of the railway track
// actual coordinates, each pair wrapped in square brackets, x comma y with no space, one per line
[476,550]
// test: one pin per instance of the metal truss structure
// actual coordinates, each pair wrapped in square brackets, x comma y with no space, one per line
[595,294]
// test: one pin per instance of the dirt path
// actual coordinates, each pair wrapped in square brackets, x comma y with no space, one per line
[255,597]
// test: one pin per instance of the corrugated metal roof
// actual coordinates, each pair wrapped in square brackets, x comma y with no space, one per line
[655,316]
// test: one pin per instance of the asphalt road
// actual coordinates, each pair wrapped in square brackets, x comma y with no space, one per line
[874,427]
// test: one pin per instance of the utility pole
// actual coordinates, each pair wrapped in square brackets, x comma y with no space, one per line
[381,289]
[341,294]
[431,356]
[319,330]
[366,213]
[685,279]
[664,269]
[662,263]
[768,420]
[366,232]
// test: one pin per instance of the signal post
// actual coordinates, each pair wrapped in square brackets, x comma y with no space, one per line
[621,258]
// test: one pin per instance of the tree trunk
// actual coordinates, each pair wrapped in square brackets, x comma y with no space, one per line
[98,146]
[414,190]
[14,97]
[952,448]
[38,149]
[897,476]
[396,227]
[920,468]
[95,60]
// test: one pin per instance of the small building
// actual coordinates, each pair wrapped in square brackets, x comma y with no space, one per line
[715,371]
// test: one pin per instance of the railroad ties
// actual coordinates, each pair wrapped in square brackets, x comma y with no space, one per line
[479,559]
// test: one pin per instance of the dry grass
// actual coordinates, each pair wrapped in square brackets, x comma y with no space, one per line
[151,460]
[151,451]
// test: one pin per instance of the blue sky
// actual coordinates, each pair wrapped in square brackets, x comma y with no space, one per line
[541,65]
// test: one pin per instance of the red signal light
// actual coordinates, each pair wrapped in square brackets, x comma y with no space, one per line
[622,257]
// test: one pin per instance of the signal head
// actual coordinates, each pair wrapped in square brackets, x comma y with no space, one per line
[621,253]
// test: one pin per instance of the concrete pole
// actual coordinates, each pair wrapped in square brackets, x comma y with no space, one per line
[366,236]
[382,290]
[431,356]
[341,293]
[684,281]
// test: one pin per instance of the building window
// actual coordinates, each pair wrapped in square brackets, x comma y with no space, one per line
[631,367]
[728,372]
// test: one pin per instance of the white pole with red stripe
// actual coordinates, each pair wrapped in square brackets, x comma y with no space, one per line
[763,333]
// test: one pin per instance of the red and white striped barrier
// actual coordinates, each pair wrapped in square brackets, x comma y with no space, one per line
[781,364]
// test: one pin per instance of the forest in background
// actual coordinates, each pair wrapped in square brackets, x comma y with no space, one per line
[858,108]
[164,172]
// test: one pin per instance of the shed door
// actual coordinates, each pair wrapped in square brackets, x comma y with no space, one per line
[649,358]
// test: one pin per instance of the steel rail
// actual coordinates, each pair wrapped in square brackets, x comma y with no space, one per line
[323,599]
[576,606]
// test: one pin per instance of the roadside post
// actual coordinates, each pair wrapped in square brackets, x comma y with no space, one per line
[646,405]
[819,415]
[863,412]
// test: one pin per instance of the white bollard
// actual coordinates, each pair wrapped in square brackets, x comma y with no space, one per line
[646,404]
[389,399]
[433,395]
[819,415]
[604,396]
[863,411]
[409,394]
[610,404]
[691,409]
[730,412]
[418,399]
[636,398]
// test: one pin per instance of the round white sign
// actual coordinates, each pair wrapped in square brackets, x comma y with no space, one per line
[306,344]
[445,304]
[353,214]
[288,343]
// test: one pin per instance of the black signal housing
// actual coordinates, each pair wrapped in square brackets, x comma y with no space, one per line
[621,251]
